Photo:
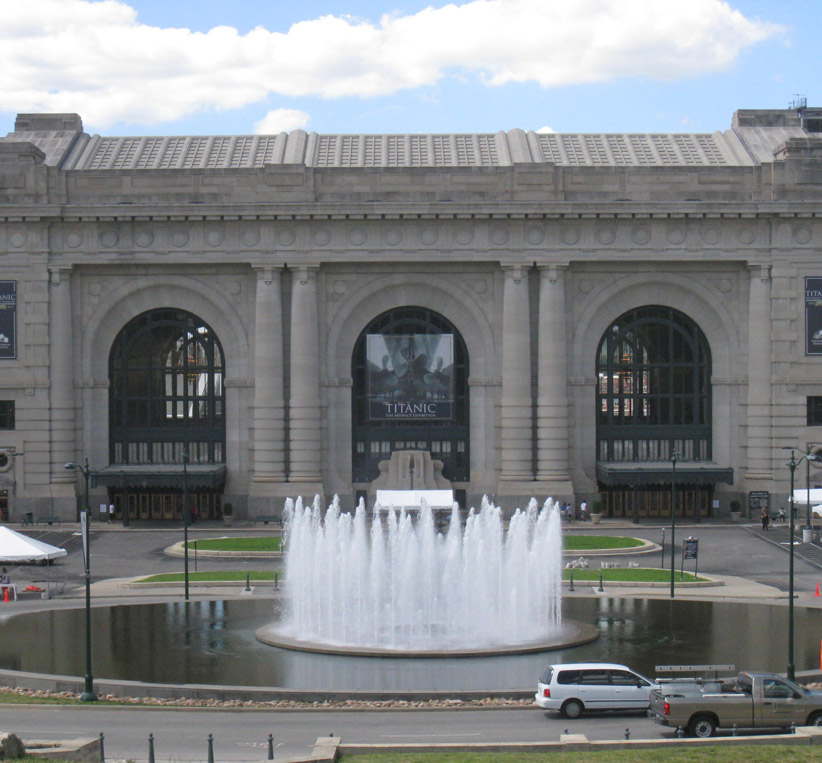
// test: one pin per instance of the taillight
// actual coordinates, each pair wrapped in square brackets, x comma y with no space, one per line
[546,693]
[667,709]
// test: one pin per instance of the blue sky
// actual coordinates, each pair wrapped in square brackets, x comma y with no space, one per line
[134,67]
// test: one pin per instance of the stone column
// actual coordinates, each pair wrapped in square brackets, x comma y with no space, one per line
[759,466]
[61,381]
[269,410]
[516,408]
[305,417]
[552,389]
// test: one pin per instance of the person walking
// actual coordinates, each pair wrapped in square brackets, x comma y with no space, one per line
[766,520]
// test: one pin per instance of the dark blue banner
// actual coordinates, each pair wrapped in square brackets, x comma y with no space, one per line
[8,319]
[410,376]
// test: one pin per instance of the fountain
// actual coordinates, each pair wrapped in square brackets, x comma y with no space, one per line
[401,587]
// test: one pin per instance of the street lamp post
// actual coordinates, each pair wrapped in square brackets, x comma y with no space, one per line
[185,520]
[673,517]
[88,695]
[792,464]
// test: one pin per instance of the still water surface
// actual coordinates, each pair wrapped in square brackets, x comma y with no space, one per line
[213,642]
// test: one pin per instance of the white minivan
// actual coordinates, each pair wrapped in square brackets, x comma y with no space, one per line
[576,687]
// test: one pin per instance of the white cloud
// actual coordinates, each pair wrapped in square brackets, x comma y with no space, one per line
[95,58]
[281,120]
[546,129]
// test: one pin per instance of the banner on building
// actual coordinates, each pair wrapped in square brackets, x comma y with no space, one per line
[410,376]
[813,316]
[8,319]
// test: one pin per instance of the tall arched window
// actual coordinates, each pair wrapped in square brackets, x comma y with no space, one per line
[653,388]
[410,372]
[166,373]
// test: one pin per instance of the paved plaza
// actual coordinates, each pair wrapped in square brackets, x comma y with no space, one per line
[753,564]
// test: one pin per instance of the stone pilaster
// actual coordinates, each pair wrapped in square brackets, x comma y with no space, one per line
[305,416]
[552,388]
[61,383]
[269,408]
[516,408]
[759,466]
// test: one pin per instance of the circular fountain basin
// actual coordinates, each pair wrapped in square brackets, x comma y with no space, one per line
[214,643]
[571,633]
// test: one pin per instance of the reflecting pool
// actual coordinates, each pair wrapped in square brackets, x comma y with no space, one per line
[213,642]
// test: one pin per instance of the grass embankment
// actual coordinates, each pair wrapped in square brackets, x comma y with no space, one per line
[641,575]
[255,543]
[597,542]
[214,576]
[712,754]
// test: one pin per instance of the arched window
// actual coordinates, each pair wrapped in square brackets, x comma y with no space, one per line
[166,373]
[410,372]
[653,388]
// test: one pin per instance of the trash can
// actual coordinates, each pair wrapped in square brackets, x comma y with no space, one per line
[807,535]
[28,518]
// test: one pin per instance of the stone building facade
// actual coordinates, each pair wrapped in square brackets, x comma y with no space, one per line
[512,314]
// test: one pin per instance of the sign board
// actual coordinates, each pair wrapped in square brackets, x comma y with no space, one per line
[813,316]
[8,320]
[691,548]
[758,499]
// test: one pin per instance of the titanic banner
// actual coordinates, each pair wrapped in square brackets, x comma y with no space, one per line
[410,376]
[813,316]
[8,319]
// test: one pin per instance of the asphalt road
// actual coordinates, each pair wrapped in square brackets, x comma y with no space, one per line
[242,735]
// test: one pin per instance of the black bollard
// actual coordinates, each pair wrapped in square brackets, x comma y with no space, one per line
[151,748]
[271,747]
[571,588]
[247,581]
[102,749]
[733,733]
[276,580]
[600,582]
[210,749]
[627,733]
[793,728]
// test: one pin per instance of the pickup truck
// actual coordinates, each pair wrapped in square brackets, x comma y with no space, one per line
[752,700]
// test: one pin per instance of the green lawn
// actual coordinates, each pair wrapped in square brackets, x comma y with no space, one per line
[712,754]
[633,574]
[589,542]
[228,575]
[254,543]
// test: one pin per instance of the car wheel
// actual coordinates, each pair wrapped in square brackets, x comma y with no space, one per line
[572,708]
[702,726]
[814,719]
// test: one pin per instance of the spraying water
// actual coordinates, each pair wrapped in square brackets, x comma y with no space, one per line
[397,583]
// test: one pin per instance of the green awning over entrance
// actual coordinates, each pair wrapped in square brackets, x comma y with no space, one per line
[159,476]
[660,473]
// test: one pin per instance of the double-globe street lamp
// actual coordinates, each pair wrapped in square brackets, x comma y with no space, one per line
[792,464]
[185,520]
[88,695]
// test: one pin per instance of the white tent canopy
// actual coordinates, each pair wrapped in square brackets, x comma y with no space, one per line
[800,496]
[412,499]
[16,547]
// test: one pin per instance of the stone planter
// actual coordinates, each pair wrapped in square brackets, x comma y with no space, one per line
[228,520]
[596,518]
[735,516]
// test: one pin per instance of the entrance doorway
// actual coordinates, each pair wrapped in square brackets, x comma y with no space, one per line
[156,505]
[651,502]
